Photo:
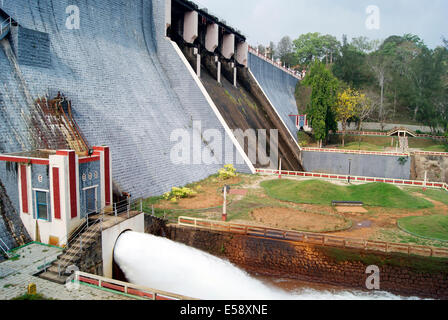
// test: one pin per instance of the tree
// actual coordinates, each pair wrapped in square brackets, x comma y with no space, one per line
[285,51]
[379,63]
[363,44]
[347,108]
[261,49]
[323,98]
[331,48]
[366,107]
[309,47]
[272,50]
[351,67]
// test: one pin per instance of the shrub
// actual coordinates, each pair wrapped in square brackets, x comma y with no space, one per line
[179,193]
[227,172]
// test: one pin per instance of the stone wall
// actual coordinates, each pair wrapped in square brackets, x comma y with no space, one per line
[435,166]
[399,274]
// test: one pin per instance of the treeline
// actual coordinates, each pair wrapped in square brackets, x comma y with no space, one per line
[398,79]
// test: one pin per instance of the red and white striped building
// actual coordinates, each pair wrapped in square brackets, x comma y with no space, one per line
[57,189]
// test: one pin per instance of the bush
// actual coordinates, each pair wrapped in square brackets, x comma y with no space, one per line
[227,172]
[179,193]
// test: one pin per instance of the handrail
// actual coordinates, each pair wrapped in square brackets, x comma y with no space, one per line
[310,149]
[289,71]
[314,238]
[127,288]
[402,182]
[4,248]
[92,226]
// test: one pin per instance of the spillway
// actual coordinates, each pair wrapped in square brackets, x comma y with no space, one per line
[169,266]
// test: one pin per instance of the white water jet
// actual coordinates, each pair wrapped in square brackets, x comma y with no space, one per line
[165,265]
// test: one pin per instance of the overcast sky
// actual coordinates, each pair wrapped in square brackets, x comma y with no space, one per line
[264,20]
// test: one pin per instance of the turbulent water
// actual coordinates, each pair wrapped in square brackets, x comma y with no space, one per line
[169,266]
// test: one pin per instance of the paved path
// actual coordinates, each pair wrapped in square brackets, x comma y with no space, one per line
[15,275]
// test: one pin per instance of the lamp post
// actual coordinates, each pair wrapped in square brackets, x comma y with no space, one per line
[349,169]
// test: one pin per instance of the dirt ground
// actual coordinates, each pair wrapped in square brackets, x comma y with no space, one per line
[286,218]
[209,196]
[369,224]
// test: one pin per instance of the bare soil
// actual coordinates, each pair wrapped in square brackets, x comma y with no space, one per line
[209,196]
[286,218]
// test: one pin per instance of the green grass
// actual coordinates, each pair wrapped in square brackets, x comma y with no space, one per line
[323,193]
[364,146]
[436,148]
[434,227]
[433,194]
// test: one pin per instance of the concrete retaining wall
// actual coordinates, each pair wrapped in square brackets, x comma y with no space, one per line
[361,165]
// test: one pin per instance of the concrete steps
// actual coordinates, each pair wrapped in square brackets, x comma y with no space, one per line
[71,256]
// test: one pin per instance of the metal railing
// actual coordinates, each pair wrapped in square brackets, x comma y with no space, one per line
[5,25]
[353,178]
[379,153]
[314,238]
[93,228]
[127,288]
[4,247]
[293,73]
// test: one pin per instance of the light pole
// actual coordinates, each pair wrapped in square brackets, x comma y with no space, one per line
[349,169]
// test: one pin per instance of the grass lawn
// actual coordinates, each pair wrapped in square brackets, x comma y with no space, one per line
[364,146]
[435,226]
[433,194]
[436,148]
[323,193]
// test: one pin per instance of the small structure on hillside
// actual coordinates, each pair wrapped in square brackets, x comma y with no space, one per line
[58,189]
[401,132]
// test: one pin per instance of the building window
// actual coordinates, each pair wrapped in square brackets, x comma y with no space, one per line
[42,205]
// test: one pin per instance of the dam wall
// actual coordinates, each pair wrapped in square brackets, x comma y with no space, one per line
[279,87]
[129,87]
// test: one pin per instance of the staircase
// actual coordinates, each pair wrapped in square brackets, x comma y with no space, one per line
[404,144]
[59,270]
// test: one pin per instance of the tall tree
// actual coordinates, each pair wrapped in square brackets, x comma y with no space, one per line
[285,51]
[346,107]
[351,67]
[321,111]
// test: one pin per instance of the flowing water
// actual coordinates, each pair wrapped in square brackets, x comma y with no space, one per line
[165,265]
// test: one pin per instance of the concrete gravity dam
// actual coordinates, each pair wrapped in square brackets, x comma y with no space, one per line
[122,74]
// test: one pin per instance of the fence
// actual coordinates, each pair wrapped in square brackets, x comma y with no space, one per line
[437,185]
[127,288]
[289,71]
[385,134]
[314,238]
[378,153]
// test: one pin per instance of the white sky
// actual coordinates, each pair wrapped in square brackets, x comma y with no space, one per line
[264,20]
